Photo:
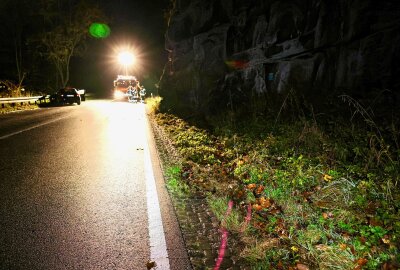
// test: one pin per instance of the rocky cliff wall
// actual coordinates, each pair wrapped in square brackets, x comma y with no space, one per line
[227,53]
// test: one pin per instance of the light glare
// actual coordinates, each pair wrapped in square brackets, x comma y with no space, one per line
[126,58]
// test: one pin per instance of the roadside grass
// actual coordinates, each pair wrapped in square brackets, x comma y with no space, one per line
[153,104]
[233,221]
[7,108]
[174,182]
[317,201]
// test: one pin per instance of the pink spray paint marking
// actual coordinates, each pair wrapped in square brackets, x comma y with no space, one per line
[222,248]
[228,211]
[224,236]
[224,239]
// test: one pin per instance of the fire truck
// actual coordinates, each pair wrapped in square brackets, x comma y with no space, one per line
[124,85]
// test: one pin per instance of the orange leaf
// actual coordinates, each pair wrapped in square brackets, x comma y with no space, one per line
[301,266]
[260,189]
[257,207]
[251,186]
[239,194]
[342,246]
[362,261]
[265,203]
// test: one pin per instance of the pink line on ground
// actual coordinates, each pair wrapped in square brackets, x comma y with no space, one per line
[224,239]
[222,248]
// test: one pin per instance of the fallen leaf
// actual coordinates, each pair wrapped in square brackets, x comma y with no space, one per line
[151,264]
[327,177]
[362,261]
[239,194]
[251,186]
[386,240]
[260,189]
[346,236]
[265,203]
[257,207]
[301,266]
[343,246]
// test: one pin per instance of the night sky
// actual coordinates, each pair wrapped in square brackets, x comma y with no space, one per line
[139,25]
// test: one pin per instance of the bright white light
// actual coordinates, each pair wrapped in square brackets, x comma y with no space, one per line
[126,58]
[118,95]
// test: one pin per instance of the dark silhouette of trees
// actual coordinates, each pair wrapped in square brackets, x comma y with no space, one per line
[39,38]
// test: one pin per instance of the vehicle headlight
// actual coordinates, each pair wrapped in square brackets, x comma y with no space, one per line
[118,94]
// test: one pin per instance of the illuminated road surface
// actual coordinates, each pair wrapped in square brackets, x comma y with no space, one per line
[77,191]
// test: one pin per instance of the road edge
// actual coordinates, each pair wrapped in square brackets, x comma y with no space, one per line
[176,248]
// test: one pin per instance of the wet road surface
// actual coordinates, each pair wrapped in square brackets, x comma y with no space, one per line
[73,192]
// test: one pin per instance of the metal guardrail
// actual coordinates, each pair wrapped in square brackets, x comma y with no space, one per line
[40,99]
[19,99]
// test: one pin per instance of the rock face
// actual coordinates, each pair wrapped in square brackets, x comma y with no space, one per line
[227,54]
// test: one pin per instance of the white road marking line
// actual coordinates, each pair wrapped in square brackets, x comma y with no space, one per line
[158,246]
[30,128]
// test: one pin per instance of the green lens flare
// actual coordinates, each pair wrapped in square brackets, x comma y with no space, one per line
[99,30]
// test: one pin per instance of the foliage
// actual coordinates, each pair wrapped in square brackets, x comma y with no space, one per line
[40,37]
[9,107]
[10,89]
[318,201]
[153,104]
[65,34]
[174,183]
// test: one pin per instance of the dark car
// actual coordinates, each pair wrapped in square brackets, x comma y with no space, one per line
[66,95]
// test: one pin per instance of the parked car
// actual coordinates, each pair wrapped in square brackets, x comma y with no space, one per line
[66,95]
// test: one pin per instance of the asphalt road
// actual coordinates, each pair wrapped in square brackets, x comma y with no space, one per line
[75,192]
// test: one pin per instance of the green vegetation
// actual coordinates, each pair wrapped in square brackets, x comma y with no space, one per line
[323,196]
[174,183]
[153,104]
[6,108]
